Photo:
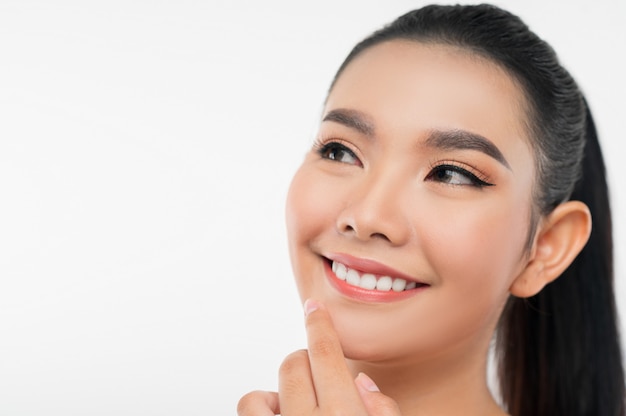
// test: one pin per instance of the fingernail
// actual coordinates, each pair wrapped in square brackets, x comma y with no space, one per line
[310,306]
[366,383]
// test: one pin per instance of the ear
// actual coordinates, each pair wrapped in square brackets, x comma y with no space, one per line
[560,237]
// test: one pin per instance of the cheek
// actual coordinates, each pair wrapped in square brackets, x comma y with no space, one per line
[310,213]
[474,255]
[480,248]
[305,215]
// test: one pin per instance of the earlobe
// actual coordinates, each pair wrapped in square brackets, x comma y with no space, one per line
[560,237]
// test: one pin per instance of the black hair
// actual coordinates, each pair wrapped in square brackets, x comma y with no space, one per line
[558,351]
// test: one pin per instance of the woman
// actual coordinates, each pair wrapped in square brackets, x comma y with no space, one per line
[449,197]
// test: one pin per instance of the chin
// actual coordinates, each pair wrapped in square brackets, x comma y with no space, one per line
[359,340]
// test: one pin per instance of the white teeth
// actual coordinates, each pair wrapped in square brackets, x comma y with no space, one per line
[353,277]
[384,283]
[369,281]
[398,285]
[340,270]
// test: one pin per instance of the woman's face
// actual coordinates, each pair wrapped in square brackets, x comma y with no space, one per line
[409,217]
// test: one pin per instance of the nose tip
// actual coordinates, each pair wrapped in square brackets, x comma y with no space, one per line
[362,234]
[374,216]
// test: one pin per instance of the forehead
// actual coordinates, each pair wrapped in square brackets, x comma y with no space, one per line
[418,86]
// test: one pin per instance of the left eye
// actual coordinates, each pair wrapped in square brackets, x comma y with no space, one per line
[455,175]
[340,153]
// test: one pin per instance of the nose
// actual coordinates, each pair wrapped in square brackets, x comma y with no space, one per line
[375,209]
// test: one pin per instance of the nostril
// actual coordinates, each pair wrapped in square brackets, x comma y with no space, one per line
[365,224]
[347,228]
[362,232]
[380,236]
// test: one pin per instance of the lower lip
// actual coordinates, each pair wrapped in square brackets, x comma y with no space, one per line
[366,295]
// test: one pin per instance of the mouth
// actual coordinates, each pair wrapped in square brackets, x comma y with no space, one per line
[369,281]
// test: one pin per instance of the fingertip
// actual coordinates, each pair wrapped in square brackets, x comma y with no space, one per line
[311,306]
[365,383]
[376,403]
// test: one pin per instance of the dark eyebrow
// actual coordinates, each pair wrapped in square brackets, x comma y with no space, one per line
[353,119]
[461,139]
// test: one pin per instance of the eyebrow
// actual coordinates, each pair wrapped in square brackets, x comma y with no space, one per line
[462,139]
[441,139]
[353,119]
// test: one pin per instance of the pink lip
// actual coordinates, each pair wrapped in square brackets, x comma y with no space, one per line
[369,266]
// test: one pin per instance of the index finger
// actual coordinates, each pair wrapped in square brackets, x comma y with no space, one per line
[333,382]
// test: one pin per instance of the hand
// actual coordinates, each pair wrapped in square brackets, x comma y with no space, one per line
[317,381]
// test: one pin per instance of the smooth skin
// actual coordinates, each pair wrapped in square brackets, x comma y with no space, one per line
[385,183]
[317,381]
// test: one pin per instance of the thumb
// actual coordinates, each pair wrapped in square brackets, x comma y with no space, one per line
[376,403]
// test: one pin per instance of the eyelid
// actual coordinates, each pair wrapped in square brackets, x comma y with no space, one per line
[324,141]
[477,173]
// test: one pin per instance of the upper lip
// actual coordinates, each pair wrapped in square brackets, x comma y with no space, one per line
[370,266]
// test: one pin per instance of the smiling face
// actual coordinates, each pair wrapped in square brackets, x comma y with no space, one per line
[409,217]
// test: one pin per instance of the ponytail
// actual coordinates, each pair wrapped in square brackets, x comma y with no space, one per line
[559,352]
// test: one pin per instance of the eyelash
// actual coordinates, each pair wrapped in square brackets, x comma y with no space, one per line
[324,150]
[476,180]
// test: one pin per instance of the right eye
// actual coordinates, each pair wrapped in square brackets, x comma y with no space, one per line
[338,152]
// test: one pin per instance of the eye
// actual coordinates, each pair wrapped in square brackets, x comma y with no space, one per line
[455,175]
[338,152]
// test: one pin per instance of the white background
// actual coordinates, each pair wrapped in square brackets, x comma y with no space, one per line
[145,152]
